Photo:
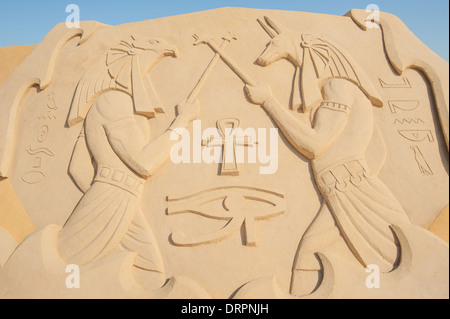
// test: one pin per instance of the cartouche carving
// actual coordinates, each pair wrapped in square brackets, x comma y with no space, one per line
[358,207]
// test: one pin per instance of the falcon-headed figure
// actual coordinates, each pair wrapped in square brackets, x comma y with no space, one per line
[110,98]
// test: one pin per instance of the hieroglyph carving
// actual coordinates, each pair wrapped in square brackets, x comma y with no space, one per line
[37,175]
[232,204]
[404,84]
[417,135]
[229,142]
[409,121]
[406,106]
[422,163]
[413,135]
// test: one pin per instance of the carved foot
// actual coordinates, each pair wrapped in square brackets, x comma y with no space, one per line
[305,282]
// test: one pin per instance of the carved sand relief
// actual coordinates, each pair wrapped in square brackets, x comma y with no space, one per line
[226,40]
[417,135]
[404,83]
[51,104]
[110,210]
[422,163]
[403,105]
[405,108]
[238,206]
[323,213]
[230,143]
[211,43]
[37,175]
[409,121]
[343,180]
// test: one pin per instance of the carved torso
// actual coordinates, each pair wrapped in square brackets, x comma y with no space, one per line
[96,121]
[357,134]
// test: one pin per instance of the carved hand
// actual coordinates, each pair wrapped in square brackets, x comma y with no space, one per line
[258,94]
[189,111]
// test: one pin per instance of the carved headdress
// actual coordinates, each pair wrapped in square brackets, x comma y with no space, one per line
[320,61]
[120,70]
[323,60]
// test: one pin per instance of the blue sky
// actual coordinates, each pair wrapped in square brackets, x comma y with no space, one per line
[27,21]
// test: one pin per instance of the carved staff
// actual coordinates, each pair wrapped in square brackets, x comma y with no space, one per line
[195,92]
[228,60]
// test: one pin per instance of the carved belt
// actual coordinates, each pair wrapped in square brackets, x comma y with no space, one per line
[120,179]
[342,175]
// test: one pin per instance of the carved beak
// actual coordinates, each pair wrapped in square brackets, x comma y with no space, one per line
[171,51]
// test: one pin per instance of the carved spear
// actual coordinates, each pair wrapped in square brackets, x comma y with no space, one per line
[227,59]
[196,91]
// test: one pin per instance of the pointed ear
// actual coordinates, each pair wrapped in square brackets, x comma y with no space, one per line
[273,25]
[267,29]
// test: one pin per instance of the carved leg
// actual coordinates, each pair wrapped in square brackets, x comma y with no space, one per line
[149,266]
[323,233]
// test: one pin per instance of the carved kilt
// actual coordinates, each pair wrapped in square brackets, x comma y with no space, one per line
[108,216]
[362,209]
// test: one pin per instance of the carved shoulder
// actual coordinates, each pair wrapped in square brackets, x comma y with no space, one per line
[115,105]
[339,91]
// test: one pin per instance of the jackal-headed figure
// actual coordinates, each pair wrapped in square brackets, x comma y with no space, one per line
[114,101]
[358,208]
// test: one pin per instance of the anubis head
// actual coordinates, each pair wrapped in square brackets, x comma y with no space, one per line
[284,45]
[318,58]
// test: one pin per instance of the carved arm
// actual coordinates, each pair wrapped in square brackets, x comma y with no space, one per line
[330,119]
[127,141]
